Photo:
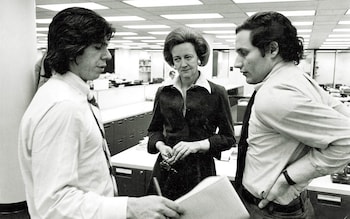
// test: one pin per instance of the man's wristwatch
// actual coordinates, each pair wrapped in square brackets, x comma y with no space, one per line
[288,179]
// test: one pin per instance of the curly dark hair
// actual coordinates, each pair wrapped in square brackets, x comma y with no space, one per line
[70,32]
[270,26]
[182,35]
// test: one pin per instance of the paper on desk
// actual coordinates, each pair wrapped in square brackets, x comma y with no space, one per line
[214,197]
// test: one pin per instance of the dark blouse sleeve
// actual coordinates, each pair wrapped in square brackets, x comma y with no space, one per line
[224,139]
[155,129]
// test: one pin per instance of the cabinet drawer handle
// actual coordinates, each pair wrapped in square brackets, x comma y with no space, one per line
[123,171]
[107,125]
[329,199]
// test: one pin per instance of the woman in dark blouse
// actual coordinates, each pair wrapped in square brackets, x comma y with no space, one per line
[191,122]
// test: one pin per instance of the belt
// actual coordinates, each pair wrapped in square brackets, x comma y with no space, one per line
[295,205]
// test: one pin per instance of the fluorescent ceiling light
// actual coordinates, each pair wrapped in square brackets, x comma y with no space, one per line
[146,26]
[42,29]
[40,34]
[333,47]
[59,7]
[159,32]
[140,38]
[211,25]
[327,45]
[304,36]
[124,18]
[303,23]
[291,13]
[162,3]
[223,46]
[304,30]
[219,31]
[120,41]
[125,34]
[336,43]
[339,35]
[263,1]
[226,36]
[122,46]
[43,21]
[191,16]
[344,22]
[339,40]
[155,46]
[152,50]
[341,30]
[153,41]
[135,44]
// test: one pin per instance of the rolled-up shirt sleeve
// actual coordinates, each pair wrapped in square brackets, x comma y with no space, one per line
[324,126]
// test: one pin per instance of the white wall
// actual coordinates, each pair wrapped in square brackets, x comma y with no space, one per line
[342,69]
[157,64]
[17,84]
[236,77]
[324,67]
[127,63]
[223,64]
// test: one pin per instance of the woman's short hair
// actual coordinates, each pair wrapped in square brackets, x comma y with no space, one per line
[186,35]
[270,26]
[70,32]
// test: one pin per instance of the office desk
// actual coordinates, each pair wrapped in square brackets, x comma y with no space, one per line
[133,168]
[330,200]
[136,160]
[137,157]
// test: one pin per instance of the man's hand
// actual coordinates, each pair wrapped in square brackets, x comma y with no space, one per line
[281,193]
[152,207]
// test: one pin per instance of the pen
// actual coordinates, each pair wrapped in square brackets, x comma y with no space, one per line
[156,184]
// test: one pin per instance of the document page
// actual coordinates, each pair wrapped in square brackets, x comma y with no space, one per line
[214,197]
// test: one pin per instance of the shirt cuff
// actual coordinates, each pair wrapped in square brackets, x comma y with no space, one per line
[115,207]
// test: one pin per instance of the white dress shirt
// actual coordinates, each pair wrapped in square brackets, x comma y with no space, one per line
[61,156]
[293,116]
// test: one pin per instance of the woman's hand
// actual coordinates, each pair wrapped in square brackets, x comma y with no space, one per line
[183,149]
[165,151]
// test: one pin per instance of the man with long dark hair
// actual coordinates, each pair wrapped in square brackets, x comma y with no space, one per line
[63,154]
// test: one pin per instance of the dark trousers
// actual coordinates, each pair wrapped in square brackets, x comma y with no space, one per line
[299,208]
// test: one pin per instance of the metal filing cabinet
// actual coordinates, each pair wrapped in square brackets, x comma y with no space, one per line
[330,206]
[125,133]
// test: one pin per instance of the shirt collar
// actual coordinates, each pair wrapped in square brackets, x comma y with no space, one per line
[201,82]
[75,81]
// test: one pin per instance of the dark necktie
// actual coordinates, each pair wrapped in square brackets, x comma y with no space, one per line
[242,144]
[93,102]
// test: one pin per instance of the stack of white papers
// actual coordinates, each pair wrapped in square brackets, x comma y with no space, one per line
[213,198]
